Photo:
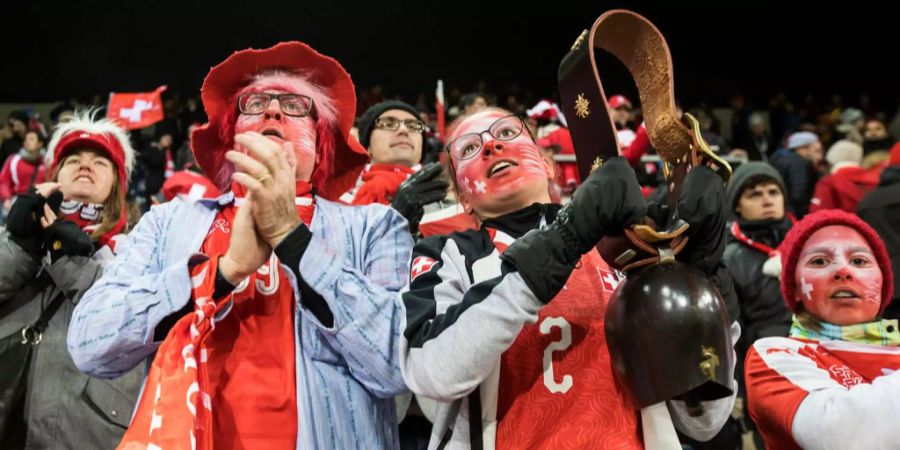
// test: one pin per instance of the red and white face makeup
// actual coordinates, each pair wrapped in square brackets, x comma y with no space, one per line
[505,175]
[838,279]
[281,128]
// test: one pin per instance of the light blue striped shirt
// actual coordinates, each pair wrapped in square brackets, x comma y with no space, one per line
[347,375]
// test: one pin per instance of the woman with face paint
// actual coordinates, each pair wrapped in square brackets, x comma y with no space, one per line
[504,324]
[270,313]
[835,382]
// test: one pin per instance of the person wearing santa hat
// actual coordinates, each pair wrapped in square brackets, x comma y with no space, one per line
[58,238]
[834,382]
[272,310]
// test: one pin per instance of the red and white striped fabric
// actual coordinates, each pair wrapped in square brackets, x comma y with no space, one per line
[824,394]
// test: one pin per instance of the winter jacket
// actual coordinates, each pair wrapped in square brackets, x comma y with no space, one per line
[881,209]
[64,408]
[843,189]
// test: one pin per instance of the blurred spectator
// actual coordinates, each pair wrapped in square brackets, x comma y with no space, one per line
[552,134]
[61,112]
[155,159]
[851,125]
[875,137]
[757,143]
[620,110]
[472,102]
[23,170]
[191,113]
[847,183]
[797,166]
[14,136]
[881,209]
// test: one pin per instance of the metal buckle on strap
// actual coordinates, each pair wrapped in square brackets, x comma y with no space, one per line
[31,336]
[699,148]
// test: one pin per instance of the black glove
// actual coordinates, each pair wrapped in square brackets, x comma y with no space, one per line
[701,203]
[421,188]
[65,238]
[609,201]
[24,223]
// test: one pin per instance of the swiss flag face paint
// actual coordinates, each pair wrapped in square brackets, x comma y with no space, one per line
[838,279]
[281,128]
[505,175]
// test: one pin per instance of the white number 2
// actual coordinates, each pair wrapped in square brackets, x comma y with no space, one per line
[560,345]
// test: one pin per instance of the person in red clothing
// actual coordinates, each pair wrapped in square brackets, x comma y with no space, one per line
[393,134]
[552,134]
[23,169]
[847,183]
[834,383]
[505,323]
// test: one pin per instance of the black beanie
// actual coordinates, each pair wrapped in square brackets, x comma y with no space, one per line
[367,121]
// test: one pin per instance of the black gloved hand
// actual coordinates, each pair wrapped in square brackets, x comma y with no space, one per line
[701,203]
[609,201]
[24,222]
[606,203]
[421,188]
[65,238]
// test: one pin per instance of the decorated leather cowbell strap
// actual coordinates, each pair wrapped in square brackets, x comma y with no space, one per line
[640,46]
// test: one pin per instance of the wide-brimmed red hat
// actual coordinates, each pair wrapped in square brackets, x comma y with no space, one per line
[227,78]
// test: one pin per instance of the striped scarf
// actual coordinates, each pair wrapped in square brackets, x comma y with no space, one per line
[881,332]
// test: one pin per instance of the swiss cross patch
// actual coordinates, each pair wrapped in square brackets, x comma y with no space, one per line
[420,265]
[609,279]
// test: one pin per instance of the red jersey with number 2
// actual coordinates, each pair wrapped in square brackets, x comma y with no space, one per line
[556,382]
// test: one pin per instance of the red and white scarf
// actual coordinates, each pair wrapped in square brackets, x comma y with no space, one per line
[203,384]
[89,216]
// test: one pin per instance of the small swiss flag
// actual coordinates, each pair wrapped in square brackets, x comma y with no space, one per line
[135,110]
[609,280]
[420,265]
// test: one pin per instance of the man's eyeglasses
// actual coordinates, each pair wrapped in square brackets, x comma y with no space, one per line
[469,145]
[294,105]
[393,124]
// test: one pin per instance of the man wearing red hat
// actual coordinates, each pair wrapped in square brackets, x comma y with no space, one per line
[272,309]
[834,383]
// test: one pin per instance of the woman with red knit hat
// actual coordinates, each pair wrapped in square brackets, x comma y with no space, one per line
[834,383]
[271,310]
[58,237]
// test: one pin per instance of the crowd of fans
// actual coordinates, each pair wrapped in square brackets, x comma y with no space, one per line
[791,159]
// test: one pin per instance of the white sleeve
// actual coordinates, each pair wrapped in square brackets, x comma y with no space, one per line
[866,416]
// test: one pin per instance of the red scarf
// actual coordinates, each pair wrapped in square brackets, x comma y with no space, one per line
[380,183]
[88,216]
[227,383]
[759,246]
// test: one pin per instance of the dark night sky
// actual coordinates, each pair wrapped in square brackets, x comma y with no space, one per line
[57,50]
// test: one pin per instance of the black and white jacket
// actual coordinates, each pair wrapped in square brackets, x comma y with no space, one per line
[464,308]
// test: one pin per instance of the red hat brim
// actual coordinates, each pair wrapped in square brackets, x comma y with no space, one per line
[227,78]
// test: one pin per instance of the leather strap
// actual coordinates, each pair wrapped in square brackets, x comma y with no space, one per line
[640,46]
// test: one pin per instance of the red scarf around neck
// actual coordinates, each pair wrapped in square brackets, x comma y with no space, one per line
[89,216]
[203,390]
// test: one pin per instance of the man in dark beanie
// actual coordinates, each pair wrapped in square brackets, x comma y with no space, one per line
[393,134]
[755,199]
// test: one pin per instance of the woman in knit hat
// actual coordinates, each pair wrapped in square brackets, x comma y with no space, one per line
[58,237]
[834,383]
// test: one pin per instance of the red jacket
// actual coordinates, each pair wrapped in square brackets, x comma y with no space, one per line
[16,176]
[843,189]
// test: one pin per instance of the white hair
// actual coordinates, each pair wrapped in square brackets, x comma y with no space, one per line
[85,120]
